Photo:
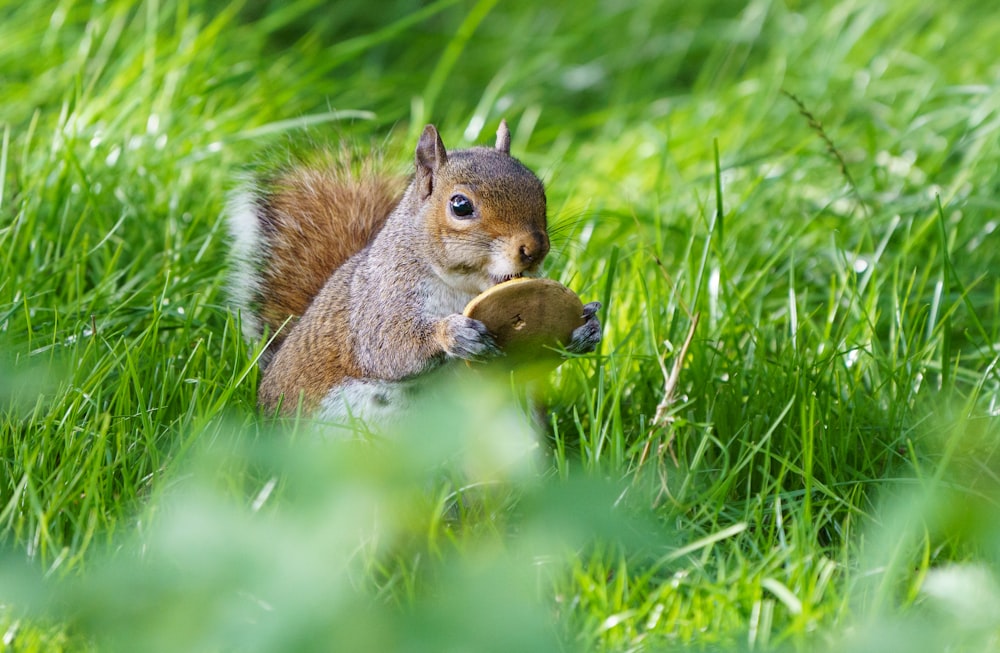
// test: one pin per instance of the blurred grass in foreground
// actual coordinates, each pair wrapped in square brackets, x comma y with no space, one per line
[409,543]
[446,537]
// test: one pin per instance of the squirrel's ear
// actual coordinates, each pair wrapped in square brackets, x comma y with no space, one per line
[430,156]
[503,138]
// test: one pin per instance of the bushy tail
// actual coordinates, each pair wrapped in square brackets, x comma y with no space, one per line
[291,229]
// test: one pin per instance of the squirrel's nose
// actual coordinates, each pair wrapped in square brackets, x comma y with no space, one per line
[533,248]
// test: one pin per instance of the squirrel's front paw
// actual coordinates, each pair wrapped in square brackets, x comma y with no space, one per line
[586,338]
[463,337]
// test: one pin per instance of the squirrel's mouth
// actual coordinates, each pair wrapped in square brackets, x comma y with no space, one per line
[498,279]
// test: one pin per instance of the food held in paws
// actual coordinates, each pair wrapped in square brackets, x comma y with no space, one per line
[528,317]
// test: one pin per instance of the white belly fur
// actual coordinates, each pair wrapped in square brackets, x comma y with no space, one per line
[376,403]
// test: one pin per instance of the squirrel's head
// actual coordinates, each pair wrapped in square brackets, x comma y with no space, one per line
[484,211]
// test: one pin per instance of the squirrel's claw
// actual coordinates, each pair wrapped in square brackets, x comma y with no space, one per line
[590,310]
[468,339]
[585,338]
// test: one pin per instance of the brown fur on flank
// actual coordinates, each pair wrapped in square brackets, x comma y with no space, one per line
[313,220]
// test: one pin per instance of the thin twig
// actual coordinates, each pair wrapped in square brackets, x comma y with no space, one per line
[670,380]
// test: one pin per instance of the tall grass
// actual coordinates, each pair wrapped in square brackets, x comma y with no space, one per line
[815,181]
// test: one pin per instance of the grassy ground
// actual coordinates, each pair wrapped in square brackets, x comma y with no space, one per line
[816,181]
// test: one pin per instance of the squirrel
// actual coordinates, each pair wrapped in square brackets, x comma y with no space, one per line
[361,285]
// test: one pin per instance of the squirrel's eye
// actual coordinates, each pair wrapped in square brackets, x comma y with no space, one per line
[461,206]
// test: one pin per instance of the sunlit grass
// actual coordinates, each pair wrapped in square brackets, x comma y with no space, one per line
[818,185]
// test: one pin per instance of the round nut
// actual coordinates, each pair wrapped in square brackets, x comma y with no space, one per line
[528,316]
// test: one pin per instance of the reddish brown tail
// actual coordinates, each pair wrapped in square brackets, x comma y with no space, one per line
[291,231]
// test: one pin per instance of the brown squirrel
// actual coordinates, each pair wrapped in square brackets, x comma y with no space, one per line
[361,287]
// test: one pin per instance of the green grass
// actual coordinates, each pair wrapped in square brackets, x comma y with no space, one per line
[817,181]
